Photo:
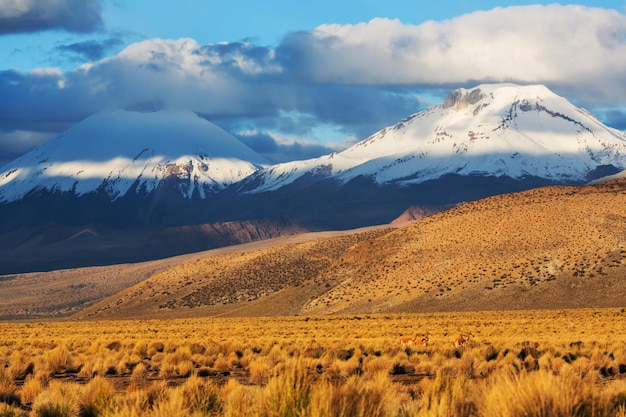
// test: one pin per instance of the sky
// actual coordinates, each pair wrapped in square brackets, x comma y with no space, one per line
[294,79]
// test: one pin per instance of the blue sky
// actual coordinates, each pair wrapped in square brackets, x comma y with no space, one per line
[294,79]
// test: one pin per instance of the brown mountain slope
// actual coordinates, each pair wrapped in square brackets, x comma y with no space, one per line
[62,292]
[549,247]
[208,285]
[555,246]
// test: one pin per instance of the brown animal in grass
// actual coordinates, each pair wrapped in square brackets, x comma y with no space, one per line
[462,340]
[407,341]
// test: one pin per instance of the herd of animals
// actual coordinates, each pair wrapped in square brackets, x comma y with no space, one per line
[422,340]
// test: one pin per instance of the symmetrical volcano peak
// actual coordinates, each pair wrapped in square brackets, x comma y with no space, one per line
[117,150]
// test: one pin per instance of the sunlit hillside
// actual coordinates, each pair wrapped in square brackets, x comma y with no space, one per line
[544,248]
[548,247]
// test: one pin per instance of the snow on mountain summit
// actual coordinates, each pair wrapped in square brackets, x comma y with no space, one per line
[492,129]
[115,150]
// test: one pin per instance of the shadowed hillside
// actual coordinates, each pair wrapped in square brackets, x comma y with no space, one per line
[55,246]
[544,248]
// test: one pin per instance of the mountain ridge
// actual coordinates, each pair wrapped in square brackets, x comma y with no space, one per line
[480,142]
[509,130]
[492,129]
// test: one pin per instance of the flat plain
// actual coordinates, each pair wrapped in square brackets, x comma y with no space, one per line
[535,362]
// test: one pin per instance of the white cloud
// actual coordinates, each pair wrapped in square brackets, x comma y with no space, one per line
[354,78]
[527,44]
[46,72]
[179,73]
[326,72]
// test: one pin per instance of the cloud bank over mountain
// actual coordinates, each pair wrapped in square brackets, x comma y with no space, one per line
[352,79]
[533,44]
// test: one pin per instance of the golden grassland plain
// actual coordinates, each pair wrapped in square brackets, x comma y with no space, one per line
[516,363]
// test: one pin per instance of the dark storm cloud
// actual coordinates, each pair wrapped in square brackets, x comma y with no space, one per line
[298,151]
[361,110]
[88,50]
[261,143]
[15,143]
[615,118]
[29,16]
[277,152]
[38,101]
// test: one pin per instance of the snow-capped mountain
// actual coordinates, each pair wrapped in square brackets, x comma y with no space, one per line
[501,130]
[119,176]
[117,151]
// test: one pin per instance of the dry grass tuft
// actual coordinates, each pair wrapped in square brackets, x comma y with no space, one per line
[59,400]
